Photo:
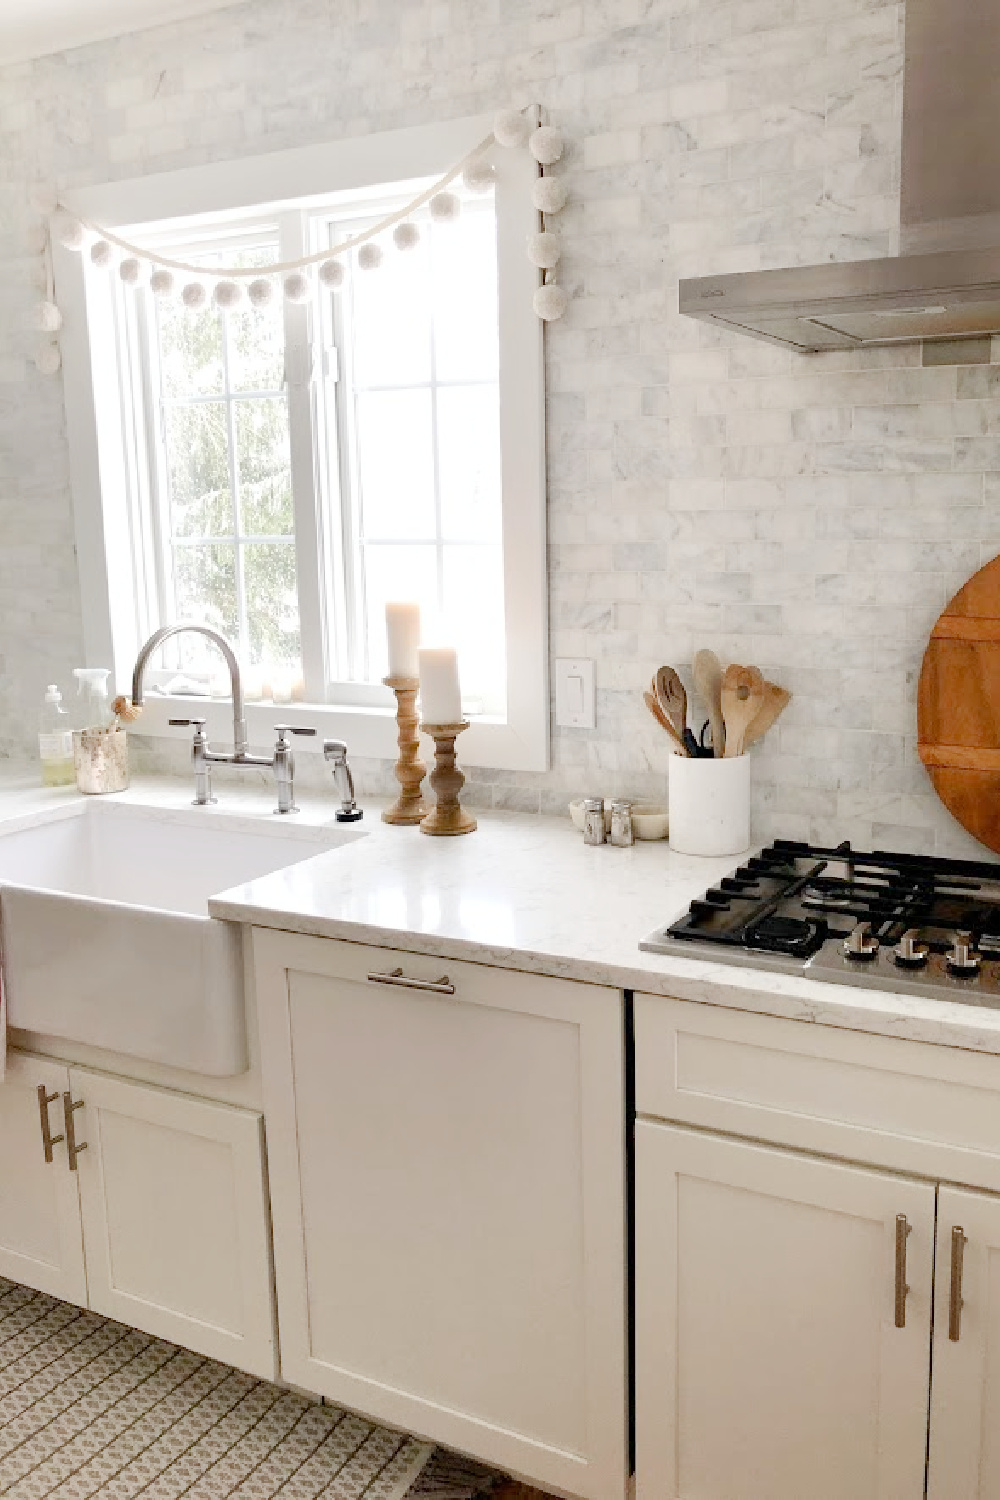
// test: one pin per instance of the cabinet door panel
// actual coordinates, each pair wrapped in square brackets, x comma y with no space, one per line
[447,1184]
[40,1237]
[965,1388]
[769,1366]
[175,1218]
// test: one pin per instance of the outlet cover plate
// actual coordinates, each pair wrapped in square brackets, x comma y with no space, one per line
[574,693]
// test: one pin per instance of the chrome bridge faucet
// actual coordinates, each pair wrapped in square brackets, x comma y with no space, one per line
[203,758]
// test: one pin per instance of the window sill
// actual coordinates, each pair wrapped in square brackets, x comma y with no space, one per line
[369,733]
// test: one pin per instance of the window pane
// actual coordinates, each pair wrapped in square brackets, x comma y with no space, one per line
[469,462]
[205,592]
[466,339]
[264,467]
[272,603]
[396,463]
[391,313]
[257,347]
[190,350]
[396,573]
[198,470]
[474,618]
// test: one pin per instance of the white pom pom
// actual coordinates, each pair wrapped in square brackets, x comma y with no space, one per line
[100,254]
[549,195]
[331,274]
[130,271]
[68,231]
[550,302]
[546,144]
[194,295]
[369,257]
[162,283]
[406,236]
[479,176]
[296,287]
[48,360]
[511,128]
[544,249]
[46,317]
[227,295]
[445,207]
[260,292]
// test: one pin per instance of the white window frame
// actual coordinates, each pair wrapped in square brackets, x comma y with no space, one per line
[102,443]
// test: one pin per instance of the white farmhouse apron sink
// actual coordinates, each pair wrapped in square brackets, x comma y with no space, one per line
[106,934]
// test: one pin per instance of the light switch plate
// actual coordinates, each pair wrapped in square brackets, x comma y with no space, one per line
[574,693]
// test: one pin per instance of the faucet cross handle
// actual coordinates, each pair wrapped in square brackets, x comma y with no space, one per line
[284,765]
[282,729]
[199,760]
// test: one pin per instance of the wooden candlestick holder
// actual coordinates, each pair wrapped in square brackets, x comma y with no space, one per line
[410,806]
[447,818]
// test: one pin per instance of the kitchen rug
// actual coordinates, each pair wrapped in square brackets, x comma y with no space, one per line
[89,1407]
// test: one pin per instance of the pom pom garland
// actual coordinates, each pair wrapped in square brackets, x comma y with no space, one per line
[331,273]
[369,257]
[511,128]
[68,231]
[100,254]
[444,208]
[549,195]
[260,292]
[48,360]
[550,302]
[162,283]
[546,144]
[544,249]
[130,271]
[479,176]
[194,295]
[406,236]
[47,318]
[227,295]
[296,287]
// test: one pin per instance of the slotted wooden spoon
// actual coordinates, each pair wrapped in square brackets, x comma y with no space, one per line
[776,700]
[742,701]
[677,744]
[669,693]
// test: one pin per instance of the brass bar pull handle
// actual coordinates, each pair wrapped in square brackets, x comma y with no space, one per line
[902,1230]
[442,986]
[72,1148]
[955,1302]
[48,1139]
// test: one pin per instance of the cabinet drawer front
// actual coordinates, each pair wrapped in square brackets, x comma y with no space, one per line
[932,1110]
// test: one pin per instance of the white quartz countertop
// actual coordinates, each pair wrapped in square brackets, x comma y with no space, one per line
[523,892]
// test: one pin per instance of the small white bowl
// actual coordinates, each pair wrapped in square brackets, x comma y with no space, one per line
[649,821]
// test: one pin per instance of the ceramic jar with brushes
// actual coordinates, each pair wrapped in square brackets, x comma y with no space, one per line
[709,785]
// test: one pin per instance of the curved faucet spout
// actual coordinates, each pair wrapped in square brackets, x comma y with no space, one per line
[157,639]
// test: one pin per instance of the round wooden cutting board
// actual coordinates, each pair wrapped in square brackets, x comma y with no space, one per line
[958,706]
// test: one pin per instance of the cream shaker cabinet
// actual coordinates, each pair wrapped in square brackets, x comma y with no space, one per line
[152,1209]
[783,1323]
[446,1155]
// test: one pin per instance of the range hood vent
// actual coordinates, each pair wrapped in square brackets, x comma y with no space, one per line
[946,284]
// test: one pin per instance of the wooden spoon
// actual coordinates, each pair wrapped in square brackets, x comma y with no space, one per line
[742,701]
[670,695]
[708,686]
[677,745]
[776,700]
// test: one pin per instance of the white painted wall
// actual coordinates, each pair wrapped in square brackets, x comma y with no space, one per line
[812,514]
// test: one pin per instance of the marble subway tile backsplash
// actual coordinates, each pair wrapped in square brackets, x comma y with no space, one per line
[810,513]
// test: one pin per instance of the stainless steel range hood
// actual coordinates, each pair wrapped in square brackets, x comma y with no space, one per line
[946,284]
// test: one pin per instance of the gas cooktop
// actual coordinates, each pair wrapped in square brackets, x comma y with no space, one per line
[890,921]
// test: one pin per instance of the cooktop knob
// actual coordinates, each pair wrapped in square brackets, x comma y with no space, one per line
[963,960]
[909,953]
[861,946]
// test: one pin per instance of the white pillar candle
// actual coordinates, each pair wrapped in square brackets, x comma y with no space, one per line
[402,628]
[440,689]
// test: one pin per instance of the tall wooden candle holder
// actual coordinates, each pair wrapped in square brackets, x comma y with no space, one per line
[410,806]
[448,817]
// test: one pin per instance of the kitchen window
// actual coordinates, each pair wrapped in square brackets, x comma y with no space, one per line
[279,473]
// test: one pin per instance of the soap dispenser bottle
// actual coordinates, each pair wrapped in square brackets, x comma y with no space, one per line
[55,741]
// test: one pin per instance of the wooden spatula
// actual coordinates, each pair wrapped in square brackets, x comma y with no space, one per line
[742,701]
[677,745]
[776,700]
[708,686]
